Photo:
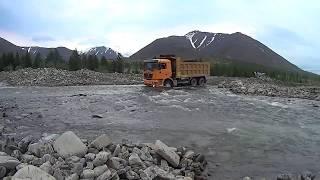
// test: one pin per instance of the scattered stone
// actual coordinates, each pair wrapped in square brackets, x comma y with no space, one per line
[90,156]
[134,159]
[285,177]
[97,116]
[47,167]
[87,174]
[167,153]
[3,171]
[8,162]
[100,170]
[105,176]
[101,141]
[72,177]
[307,175]
[68,144]
[101,158]
[32,172]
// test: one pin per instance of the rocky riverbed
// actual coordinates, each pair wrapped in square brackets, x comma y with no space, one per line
[57,77]
[66,156]
[50,77]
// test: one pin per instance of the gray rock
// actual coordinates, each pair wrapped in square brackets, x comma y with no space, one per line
[168,154]
[47,167]
[40,149]
[90,156]
[101,141]
[100,170]
[246,178]
[285,177]
[77,168]
[189,154]
[27,158]
[307,175]
[164,165]
[117,150]
[105,176]
[9,162]
[24,143]
[155,171]
[115,162]
[58,174]
[22,165]
[68,144]
[101,158]
[32,172]
[134,159]
[3,171]
[87,173]
[89,165]
[132,175]
[93,150]
[73,177]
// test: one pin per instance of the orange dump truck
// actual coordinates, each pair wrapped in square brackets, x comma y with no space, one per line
[169,71]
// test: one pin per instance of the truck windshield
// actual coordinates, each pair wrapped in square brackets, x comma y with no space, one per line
[151,66]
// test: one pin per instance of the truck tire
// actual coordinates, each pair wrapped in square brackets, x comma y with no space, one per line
[193,82]
[168,83]
[201,81]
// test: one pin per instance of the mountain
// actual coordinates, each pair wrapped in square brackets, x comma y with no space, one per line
[108,53]
[235,47]
[8,47]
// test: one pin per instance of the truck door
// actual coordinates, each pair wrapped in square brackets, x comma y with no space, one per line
[165,70]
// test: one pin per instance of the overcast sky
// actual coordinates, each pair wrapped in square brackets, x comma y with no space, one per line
[289,27]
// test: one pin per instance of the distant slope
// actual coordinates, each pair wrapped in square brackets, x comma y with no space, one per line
[101,51]
[235,47]
[8,47]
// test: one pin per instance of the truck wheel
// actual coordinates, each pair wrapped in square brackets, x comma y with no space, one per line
[201,81]
[168,84]
[193,82]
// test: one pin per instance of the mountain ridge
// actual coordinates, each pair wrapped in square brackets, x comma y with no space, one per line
[8,47]
[235,47]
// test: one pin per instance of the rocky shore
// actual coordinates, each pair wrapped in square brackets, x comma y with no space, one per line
[58,77]
[263,87]
[66,156]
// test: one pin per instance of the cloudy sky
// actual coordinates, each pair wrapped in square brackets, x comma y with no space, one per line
[290,27]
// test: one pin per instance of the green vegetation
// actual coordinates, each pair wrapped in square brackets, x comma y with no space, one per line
[10,62]
[247,70]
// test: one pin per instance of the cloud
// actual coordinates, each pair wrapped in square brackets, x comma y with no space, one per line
[42,39]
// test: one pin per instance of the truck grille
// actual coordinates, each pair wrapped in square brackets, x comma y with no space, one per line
[147,76]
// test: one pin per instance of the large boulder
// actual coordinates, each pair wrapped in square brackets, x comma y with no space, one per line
[68,144]
[167,153]
[32,172]
[101,141]
[8,162]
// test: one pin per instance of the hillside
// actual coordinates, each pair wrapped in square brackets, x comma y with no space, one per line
[236,47]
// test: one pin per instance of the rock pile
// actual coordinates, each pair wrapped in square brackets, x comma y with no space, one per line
[68,157]
[58,77]
[254,86]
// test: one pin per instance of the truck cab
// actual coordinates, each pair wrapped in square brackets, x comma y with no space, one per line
[156,71]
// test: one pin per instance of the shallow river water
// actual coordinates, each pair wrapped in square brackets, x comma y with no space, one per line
[240,135]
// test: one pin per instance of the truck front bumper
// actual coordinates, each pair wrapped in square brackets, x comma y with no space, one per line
[153,83]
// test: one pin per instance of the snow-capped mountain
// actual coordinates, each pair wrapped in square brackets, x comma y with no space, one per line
[8,47]
[235,47]
[101,51]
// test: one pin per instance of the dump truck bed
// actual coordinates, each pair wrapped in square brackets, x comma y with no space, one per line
[186,69]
